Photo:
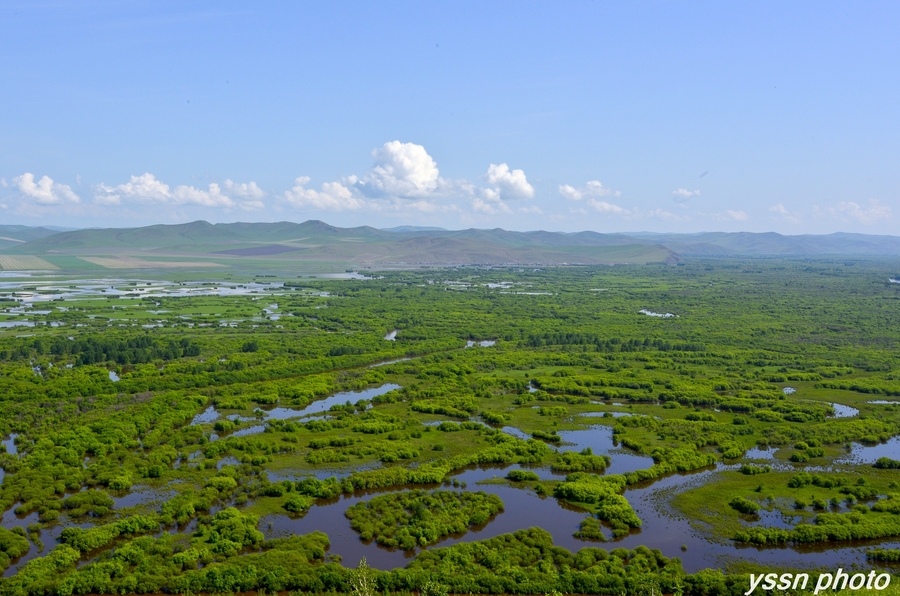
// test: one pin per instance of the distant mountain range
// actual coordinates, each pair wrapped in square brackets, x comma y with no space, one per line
[291,244]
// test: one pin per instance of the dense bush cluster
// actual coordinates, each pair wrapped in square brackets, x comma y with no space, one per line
[417,518]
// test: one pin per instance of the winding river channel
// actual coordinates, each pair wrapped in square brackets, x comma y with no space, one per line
[663,528]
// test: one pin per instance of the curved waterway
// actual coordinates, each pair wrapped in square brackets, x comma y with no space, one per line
[663,528]
[320,406]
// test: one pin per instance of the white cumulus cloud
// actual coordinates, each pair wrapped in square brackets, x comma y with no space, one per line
[334,196]
[593,188]
[45,191]
[248,194]
[213,197]
[509,183]
[244,190]
[402,170]
[874,213]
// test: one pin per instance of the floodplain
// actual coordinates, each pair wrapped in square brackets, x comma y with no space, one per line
[474,429]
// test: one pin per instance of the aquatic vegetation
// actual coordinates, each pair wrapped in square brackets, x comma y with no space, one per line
[157,481]
[416,518]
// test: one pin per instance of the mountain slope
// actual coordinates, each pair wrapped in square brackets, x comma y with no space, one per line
[292,244]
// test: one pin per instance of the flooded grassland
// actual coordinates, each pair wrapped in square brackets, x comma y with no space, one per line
[217,423]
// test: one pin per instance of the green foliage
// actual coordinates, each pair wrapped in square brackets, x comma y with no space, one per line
[298,503]
[744,329]
[95,503]
[603,493]
[590,529]
[580,462]
[522,476]
[93,538]
[550,437]
[416,518]
[526,562]
[743,505]
[12,546]
[883,555]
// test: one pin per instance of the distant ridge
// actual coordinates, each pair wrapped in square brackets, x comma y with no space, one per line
[13,235]
[407,229]
[772,244]
[287,243]
[316,241]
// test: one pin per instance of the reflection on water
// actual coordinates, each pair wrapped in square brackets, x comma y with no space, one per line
[521,510]
[47,536]
[650,313]
[323,405]
[249,430]
[607,414]
[386,362]
[661,529]
[228,460]
[142,497]
[868,454]
[211,414]
[512,430]
[757,453]
[10,444]
[208,415]
[600,440]
[842,411]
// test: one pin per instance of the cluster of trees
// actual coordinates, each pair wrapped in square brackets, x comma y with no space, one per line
[416,518]
[858,524]
[602,494]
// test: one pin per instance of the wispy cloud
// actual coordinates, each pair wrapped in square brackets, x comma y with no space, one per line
[875,212]
[334,196]
[494,208]
[683,195]
[593,188]
[146,188]
[730,215]
[782,212]
[607,208]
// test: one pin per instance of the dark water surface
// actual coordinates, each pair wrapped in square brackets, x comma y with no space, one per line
[662,529]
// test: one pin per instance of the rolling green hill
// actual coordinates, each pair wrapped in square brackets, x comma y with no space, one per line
[285,244]
[299,245]
[11,236]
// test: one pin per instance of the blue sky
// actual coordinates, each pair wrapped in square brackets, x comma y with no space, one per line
[627,116]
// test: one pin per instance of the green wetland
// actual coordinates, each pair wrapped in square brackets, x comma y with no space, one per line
[486,430]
